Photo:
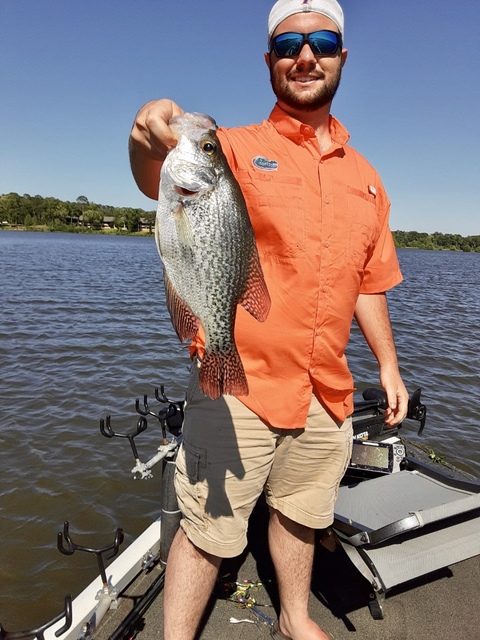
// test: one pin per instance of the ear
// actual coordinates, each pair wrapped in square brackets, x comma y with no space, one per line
[344,56]
[267,59]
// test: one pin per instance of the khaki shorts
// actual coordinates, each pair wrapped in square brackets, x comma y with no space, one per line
[229,456]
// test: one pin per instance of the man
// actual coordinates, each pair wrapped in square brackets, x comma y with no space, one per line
[320,216]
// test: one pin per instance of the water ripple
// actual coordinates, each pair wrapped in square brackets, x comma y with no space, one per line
[84,331]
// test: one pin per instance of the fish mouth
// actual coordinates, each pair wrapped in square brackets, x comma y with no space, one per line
[185,192]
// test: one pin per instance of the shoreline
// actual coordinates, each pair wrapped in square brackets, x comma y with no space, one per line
[150,234]
[79,230]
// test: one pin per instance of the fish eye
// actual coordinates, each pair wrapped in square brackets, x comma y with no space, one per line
[208,147]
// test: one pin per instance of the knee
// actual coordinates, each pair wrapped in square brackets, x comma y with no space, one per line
[280,522]
[185,548]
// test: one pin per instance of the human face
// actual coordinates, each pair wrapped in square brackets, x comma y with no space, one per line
[307,82]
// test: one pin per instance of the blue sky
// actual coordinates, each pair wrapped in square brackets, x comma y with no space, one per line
[73,73]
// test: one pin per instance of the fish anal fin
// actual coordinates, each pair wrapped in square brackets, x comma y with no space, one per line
[184,321]
[222,373]
[256,299]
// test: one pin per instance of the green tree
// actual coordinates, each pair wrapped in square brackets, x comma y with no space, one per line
[12,209]
[29,221]
[132,219]
[93,217]
[149,217]
[61,213]
[119,219]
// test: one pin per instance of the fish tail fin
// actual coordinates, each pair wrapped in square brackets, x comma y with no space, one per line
[222,373]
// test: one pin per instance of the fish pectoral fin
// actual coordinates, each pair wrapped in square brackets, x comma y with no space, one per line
[183,226]
[184,321]
[256,299]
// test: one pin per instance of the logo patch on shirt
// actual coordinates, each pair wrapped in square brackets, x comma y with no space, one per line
[265,165]
[372,190]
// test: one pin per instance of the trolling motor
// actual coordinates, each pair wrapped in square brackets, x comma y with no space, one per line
[377,448]
[38,632]
[368,420]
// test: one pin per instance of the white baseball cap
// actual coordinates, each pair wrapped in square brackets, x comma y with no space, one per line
[282,9]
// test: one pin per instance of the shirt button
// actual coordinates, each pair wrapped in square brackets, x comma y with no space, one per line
[327,200]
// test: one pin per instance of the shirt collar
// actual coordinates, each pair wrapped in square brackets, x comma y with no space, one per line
[291,128]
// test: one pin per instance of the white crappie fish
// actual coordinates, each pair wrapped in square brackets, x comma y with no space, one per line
[207,246]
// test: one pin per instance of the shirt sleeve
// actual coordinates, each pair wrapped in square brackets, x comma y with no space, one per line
[382,271]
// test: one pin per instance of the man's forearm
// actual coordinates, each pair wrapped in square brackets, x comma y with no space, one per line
[371,314]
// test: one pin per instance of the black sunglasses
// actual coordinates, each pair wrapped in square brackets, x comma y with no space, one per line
[322,43]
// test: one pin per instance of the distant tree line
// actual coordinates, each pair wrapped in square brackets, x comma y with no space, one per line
[82,215]
[445,241]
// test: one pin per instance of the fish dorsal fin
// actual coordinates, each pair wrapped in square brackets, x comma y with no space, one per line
[255,298]
[184,321]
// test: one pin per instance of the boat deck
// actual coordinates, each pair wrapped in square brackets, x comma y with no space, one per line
[443,604]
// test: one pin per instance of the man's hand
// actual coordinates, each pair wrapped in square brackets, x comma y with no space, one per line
[397,396]
[150,140]
[151,134]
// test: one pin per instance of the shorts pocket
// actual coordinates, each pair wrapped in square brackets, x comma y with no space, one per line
[195,461]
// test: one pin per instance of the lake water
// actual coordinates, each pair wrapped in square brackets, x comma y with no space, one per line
[84,331]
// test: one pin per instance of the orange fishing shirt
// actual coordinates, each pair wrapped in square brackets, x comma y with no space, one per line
[321,227]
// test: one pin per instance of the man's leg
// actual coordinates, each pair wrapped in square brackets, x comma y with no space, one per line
[221,470]
[292,547]
[189,582]
[301,491]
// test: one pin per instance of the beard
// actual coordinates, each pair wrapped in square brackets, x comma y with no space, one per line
[308,100]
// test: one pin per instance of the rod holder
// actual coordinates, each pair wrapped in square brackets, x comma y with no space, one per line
[71,547]
[38,632]
[107,431]
[169,416]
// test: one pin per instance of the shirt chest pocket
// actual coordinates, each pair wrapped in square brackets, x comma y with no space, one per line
[364,230]
[276,205]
